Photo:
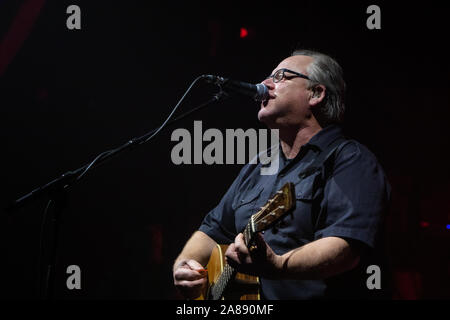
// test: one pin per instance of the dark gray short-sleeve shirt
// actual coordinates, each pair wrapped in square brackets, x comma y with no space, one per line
[349,204]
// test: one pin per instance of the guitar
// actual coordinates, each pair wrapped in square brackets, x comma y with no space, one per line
[224,282]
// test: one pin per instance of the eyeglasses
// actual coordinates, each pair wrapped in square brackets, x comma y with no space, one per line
[279,75]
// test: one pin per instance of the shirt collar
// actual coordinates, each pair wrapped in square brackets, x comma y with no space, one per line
[319,142]
[325,137]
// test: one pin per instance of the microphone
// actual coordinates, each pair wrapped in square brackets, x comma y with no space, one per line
[259,91]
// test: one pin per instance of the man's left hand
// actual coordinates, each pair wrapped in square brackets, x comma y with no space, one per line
[261,261]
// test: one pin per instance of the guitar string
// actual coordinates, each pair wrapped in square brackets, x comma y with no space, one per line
[224,278]
[227,274]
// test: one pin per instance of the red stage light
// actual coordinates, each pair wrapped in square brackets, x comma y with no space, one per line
[243,33]
[424,224]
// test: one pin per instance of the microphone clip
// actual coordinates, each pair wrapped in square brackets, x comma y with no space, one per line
[219,81]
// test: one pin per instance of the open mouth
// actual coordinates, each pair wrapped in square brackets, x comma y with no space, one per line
[264,103]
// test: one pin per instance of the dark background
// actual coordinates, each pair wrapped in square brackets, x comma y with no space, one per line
[67,95]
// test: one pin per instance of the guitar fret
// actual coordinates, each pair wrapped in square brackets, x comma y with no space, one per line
[281,202]
[219,287]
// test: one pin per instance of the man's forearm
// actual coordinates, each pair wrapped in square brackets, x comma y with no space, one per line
[198,248]
[320,259]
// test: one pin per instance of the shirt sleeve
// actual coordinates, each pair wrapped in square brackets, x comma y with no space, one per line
[219,223]
[355,197]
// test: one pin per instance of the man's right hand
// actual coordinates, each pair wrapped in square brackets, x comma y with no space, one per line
[190,278]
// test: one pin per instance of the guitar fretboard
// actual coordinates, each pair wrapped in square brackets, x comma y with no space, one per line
[229,272]
[275,208]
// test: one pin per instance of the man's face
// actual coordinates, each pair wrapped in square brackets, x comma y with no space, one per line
[288,103]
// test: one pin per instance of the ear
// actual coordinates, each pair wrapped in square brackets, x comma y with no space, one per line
[317,95]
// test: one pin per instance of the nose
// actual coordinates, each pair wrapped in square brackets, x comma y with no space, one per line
[269,83]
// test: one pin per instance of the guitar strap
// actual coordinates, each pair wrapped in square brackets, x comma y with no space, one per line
[325,160]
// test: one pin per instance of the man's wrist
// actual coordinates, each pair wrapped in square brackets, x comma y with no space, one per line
[280,268]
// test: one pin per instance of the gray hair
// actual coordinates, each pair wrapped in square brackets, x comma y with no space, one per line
[325,70]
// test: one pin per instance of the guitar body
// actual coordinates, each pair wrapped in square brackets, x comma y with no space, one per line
[242,287]
[224,282]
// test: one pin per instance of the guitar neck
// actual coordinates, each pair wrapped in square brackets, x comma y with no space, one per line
[229,272]
[275,208]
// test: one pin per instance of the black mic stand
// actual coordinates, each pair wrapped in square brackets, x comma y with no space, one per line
[57,191]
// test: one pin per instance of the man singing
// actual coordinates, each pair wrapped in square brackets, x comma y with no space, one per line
[323,247]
